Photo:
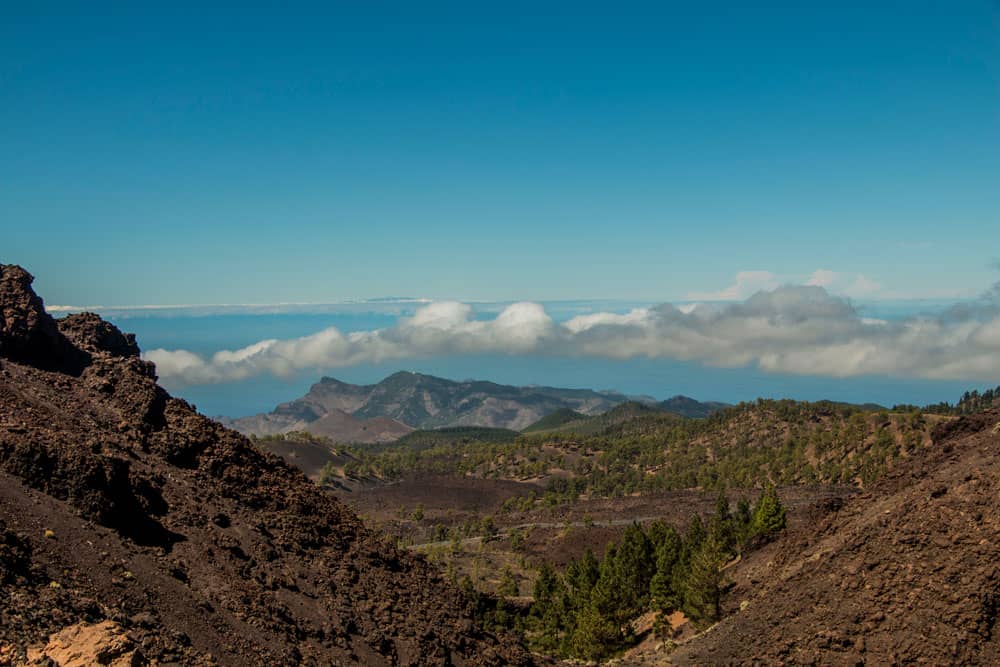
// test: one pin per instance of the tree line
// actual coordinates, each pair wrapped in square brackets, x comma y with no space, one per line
[585,610]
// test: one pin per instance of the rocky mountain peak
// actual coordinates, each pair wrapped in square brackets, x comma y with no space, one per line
[29,335]
[27,332]
[89,332]
[120,503]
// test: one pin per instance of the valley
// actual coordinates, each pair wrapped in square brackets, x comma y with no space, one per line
[655,334]
[774,531]
[496,509]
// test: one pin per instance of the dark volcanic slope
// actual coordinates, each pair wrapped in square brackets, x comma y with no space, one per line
[906,574]
[120,502]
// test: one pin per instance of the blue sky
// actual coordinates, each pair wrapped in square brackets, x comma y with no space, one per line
[643,151]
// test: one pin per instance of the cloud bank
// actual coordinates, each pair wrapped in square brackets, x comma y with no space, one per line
[799,330]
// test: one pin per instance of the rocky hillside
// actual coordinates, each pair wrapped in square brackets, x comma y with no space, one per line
[124,513]
[414,400]
[906,573]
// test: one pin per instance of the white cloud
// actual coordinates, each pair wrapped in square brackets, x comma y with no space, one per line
[746,284]
[862,287]
[790,329]
[822,278]
[852,285]
[589,321]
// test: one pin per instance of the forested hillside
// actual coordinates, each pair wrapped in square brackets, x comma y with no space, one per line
[635,449]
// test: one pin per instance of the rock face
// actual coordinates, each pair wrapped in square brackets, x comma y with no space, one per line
[906,573]
[86,645]
[415,400]
[27,333]
[119,503]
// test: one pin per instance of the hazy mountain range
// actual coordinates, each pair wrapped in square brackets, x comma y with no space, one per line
[406,401]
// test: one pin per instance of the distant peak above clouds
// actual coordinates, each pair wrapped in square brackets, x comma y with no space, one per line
[747,283]
[846,284]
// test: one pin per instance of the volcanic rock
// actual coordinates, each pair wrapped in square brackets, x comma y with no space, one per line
[906,573]
[120,504]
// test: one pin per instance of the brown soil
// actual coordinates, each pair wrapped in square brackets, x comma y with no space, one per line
[120,503]
[309,456]
[906,573]
[440,493]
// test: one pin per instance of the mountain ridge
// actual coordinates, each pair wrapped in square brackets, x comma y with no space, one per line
[420,401]
[118,502]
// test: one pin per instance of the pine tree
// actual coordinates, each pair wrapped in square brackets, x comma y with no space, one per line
[581,576]
[595,635]
[769,515]
[657,533]
[701,590]
[546,585]
[626,573]
[695,532]
[550,612]
[693,538]
[507,587]
[661,590]
[722,506]
[721,525]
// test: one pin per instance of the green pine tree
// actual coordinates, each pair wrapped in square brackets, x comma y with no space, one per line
[595,635]
[661,590]
[507,587]
[702,586]
[769,515]
[581,576]
[550,613]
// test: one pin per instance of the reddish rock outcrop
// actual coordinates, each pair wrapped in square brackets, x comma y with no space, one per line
[88,645]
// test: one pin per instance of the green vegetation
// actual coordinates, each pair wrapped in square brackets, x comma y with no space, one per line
[688,407]
[585,611]
[555,420]
[508,584]
[971,401]
[457,435]
[635,449]
[329,474]
[769,517]
[617,415]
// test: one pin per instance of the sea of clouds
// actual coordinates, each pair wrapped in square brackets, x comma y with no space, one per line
[792,329]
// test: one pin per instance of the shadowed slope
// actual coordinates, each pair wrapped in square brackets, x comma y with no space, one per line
[119,502]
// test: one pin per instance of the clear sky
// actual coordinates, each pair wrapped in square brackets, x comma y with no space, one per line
[497,151]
